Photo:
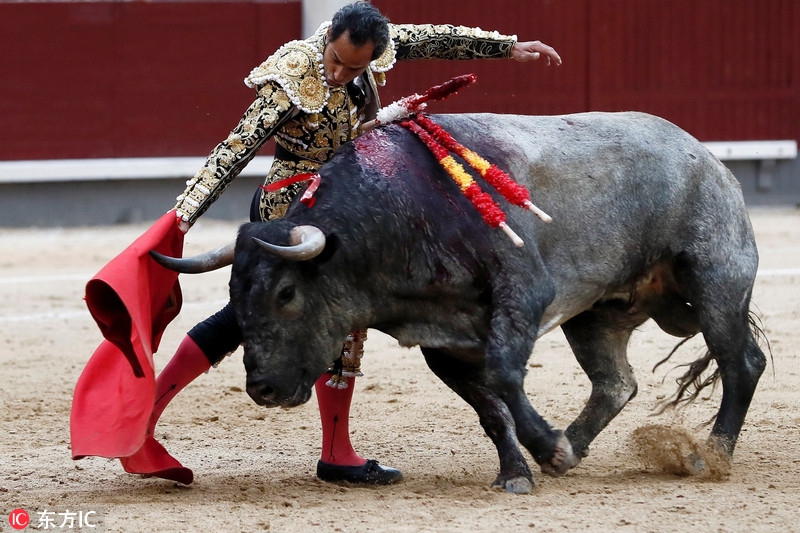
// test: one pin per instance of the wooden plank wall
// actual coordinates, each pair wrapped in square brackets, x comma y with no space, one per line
[130,79]
[722,69]
[147,79]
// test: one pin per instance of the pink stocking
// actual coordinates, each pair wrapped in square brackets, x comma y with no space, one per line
[185,366]
[334,411]
[152,459]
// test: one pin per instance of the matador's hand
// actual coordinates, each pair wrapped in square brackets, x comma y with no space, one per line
[533,50]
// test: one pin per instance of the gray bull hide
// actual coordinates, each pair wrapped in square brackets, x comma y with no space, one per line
[646,224]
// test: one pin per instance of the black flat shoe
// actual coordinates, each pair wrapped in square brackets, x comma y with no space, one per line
[370,473]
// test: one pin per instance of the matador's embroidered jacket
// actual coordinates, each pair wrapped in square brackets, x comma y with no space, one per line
[310,120]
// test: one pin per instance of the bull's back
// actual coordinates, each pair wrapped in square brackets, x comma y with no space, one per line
[584,152]
[607,173]
[624,190]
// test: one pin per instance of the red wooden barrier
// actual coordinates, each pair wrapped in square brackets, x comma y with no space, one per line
[146,79]
[130,79]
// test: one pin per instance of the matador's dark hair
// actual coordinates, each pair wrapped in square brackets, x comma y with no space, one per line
[365,23]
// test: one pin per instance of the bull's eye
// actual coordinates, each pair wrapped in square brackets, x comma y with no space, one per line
[286,295]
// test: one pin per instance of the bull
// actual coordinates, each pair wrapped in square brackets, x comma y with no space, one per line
[647,223]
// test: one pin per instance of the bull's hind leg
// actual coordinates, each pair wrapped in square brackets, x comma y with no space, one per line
[469,382]
[599,338]
[741,364]
[723,303]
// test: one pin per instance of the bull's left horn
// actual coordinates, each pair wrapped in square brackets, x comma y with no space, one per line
[305,242]
[206,262]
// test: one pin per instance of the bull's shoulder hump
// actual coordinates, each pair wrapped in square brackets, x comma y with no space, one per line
[579,134]
[628,124]
[621,119]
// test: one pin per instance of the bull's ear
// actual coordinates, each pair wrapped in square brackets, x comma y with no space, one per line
[332,243]
[305,242]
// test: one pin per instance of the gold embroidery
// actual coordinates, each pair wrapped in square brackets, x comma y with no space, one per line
[236,143]
[312,91]
[445,41]
[336,99]
[387,59]
[295,67]
[294,64]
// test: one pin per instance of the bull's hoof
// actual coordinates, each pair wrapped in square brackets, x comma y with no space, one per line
[370,473]
[514,485]
[696,464]
[563,458]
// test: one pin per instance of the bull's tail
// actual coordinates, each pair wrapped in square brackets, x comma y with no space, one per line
[696,378]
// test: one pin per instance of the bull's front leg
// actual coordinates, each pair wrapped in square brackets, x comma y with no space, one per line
[468,381]
[550,448]
[514,328]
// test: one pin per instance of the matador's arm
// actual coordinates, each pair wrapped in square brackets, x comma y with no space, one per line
[261,120]
[445,41]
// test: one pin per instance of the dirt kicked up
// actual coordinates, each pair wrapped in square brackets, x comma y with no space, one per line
[254,467]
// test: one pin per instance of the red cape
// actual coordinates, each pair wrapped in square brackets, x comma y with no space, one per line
[132,299]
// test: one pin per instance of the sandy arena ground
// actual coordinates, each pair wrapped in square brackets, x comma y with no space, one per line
[254,467]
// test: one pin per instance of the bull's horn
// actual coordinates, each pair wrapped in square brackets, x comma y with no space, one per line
[206,262]
[306,242]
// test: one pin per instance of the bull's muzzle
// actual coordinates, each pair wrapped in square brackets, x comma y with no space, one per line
[270,391]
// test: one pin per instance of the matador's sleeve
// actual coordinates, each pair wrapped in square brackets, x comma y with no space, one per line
[261,120]
[444,41]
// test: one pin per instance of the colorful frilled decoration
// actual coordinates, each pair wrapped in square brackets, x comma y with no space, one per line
[441,143]
[486,206]
[416,103]
[510,189]
[308,196]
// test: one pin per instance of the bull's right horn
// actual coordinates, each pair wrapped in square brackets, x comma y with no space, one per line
[206,262]
[305,242]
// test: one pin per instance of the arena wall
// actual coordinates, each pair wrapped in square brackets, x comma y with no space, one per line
[129,80]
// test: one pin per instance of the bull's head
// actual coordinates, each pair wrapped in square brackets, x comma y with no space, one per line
[284,304]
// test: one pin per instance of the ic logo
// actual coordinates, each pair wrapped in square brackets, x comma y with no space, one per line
[19,519]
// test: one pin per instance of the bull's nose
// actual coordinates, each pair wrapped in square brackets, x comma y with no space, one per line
[262,393]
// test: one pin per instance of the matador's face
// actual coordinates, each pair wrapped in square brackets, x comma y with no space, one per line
[343,61]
